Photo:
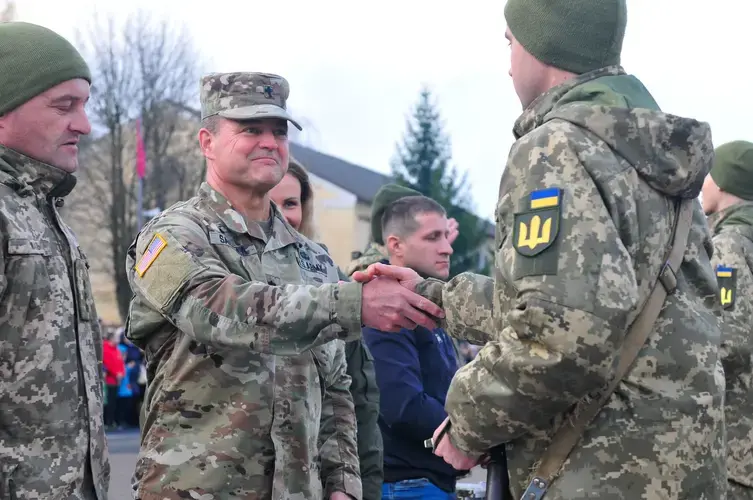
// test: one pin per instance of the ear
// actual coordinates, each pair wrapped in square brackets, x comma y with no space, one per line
[394,245]
[206,143]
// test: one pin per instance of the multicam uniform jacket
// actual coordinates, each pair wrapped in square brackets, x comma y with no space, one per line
[243,336]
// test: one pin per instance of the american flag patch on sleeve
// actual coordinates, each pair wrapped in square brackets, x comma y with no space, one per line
[156,246]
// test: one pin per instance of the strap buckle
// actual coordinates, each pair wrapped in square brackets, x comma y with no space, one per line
[536,489]
[668,278]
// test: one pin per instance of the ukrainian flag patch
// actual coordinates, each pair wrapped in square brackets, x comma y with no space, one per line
[545,198]
[537,226]
[724,272]
[727,280]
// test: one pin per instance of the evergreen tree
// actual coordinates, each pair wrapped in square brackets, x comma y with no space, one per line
[424,162]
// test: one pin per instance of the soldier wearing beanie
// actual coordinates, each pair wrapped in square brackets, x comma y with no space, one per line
[599,186]
[51,430]
[728,201]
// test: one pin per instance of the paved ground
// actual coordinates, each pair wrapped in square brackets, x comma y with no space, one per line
[124,446]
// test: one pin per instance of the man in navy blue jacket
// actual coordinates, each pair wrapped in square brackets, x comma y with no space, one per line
[414,368]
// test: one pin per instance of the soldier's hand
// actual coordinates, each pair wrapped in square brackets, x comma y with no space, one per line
[405,276]
[388,306]
[445,449]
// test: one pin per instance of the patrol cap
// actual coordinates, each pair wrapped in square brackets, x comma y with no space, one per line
[733,168]
[245,96]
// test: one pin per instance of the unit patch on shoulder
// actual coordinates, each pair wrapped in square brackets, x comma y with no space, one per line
[727,279]
[156,246]
[536,228]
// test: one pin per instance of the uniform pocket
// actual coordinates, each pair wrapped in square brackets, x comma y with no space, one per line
[84,295]
[28,269]
[26,247]
[368,373]
[320,370]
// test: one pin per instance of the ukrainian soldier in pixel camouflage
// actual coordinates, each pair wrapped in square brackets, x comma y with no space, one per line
[728,201]
[585,218]
[242,320]
[52,440]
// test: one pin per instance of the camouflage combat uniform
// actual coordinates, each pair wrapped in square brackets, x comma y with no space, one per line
[373,254]
[586,205]
[238,332]
[52,440]
[365,393]
[733,261]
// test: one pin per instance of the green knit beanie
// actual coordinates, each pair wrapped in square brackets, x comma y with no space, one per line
[33,59]
[388,194]
[574,35]
[733,169]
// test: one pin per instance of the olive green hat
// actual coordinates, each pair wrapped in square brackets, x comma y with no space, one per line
[33,59]
[733,169]
[387,194]
[575,35]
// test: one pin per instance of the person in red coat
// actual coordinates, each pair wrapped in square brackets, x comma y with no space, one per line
[114,369]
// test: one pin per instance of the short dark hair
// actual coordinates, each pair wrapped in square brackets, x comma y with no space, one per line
[399,217]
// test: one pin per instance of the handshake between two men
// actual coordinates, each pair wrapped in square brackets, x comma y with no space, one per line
[390,303]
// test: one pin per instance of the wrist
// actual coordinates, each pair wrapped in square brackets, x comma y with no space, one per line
[347,305]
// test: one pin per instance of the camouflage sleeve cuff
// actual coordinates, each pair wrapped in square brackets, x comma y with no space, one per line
[462,446]
[431,289]
[347,483]
[348,308]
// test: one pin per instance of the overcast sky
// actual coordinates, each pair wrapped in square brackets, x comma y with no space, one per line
[356,68]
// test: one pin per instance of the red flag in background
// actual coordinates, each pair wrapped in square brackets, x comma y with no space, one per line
[140,152]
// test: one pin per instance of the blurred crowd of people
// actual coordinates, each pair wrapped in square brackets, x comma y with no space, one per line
[124,371]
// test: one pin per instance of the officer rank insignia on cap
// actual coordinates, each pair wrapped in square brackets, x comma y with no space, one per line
[267,90]
[536,227]
[727,279]
[156,246]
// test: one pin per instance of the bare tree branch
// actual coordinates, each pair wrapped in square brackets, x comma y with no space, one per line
[141,68]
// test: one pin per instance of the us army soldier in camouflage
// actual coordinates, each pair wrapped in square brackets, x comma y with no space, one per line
[586,206]
[242,320]
[728,201]
[52,441]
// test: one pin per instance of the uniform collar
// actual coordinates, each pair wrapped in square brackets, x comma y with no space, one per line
[28,175]
[282,233]
[535,114]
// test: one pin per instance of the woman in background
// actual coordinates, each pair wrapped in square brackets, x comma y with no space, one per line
[294,197]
